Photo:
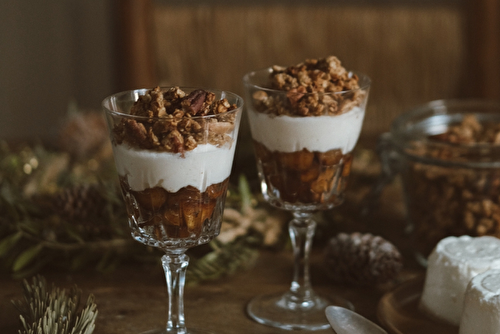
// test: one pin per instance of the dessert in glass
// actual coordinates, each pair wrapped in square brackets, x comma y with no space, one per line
[305,121]
[173,150]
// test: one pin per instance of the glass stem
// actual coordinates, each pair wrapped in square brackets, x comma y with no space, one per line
[301,229]
[175,266]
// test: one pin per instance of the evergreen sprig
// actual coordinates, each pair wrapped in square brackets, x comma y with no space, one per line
[223,260]
[33,237]
[54,311]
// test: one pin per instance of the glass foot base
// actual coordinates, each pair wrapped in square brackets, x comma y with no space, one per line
[188,331]
[281,311]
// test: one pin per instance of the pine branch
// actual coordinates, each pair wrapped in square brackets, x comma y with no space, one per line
[222,261]
[54,210]
[54,311]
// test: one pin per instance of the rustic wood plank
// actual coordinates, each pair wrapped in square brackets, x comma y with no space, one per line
[414,54]
[134,56]
[483,49]
[132,299]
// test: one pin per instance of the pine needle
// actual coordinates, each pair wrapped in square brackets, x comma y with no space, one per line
[222,261]
[54,311]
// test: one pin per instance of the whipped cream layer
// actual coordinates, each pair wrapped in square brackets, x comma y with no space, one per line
[481,313]
[314,133]
[451,266]
[205,165]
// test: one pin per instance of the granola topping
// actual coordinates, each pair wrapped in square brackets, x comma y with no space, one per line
[470,131]
[313,88]
[168,121]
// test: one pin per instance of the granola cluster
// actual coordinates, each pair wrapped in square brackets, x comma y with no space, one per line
[450,200]
[313,88]
[305,177]
[471,131]
[169,121]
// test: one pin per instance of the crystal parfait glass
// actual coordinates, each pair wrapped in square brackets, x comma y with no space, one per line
[173,149]
[303,142]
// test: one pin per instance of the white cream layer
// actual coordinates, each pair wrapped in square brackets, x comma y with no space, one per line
[314,133]
[451,266]
[205,165]
[481,313]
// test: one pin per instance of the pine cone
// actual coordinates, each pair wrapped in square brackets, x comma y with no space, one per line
[81,206]
[83,134]
[79,203]
[362,259]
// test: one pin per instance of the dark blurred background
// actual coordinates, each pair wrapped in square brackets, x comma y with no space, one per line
[58,54]
[52,53]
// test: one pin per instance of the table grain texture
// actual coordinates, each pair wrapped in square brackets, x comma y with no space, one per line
[132,299]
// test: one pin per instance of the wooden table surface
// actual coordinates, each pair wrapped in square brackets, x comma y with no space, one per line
[132,299]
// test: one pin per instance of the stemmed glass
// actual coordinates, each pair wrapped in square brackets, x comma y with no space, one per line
[303,164]
[173,150]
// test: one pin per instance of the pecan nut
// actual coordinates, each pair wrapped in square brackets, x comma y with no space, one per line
[193,103]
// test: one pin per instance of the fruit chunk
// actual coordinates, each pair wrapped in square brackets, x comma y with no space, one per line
[300,160]
[215,191]
[151,198]
[329,158]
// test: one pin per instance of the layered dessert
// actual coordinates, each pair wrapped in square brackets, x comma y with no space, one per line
[305,121]
[451,266]
[174,155]
[481,313]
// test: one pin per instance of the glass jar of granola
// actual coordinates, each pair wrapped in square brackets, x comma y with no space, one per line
[448,155]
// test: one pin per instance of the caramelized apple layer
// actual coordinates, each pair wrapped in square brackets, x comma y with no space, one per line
[183,214]
[303,176]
